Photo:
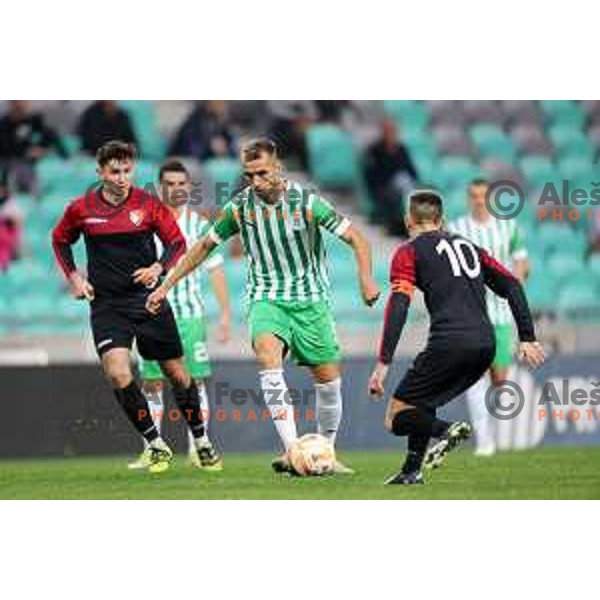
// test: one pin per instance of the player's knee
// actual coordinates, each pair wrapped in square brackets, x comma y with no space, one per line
[119,376]
[268,357]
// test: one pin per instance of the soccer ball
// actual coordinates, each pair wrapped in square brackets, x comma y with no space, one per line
[311,455]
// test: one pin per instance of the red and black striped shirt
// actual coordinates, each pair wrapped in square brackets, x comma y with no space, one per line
[452,273]
[119,239]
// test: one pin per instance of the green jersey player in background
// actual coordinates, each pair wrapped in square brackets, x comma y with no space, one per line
[188,308]
[504,241]
[280,224]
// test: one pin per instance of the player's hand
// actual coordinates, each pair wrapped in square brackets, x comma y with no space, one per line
[149,275]
[224,331]
[81,288]
[532,353]
[377,381]
[369,290]
[155,299]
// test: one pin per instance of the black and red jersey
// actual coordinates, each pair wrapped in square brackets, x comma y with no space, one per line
[119,239]
[452,273]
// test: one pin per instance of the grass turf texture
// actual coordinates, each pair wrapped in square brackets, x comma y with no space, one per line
[543,474]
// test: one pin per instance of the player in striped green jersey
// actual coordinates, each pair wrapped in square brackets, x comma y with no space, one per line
[280,226]
[504,241]
[188,308]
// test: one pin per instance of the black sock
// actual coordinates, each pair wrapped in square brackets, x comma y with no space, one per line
[418,422]
[136,408]
[188,402]
[417,446]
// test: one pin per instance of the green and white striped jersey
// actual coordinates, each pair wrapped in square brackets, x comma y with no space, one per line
[186,297]
[282,242]
[503,239]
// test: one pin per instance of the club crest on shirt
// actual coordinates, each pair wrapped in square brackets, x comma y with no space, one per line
[137,216]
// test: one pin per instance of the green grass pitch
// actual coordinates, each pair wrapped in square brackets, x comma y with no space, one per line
[546,473]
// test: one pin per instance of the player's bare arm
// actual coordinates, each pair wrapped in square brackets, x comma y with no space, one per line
[218,282]
[521,269]
[194,257]
[362,251]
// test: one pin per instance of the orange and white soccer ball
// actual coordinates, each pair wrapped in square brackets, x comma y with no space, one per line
[311,455]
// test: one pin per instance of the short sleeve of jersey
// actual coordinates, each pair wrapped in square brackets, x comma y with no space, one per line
[225,224]
[327,217]
[215,258]
[403,270]
[518,250]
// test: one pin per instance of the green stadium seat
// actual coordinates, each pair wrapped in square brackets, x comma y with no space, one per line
[408,113]
[573,297]
[565,266]
[575,168]
[593,265]
[145,122]
[501,149]
[537,170]
[455,172]
[555,236]
[485,134]
[541,291]
[332,157]
[567,112]
[224,173]
[569,141]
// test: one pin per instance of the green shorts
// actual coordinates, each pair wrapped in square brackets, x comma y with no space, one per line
[504,346]
[193,337]
[307,328]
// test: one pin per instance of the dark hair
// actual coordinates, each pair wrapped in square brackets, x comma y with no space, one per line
[254,148]
[479,181]
[426,206]
[116,150]
[173,166]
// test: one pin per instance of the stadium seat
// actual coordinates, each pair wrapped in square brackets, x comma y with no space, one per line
[568,140]
[575,168]
[531,139]
[565,266]
[224,174]
[555,235]
[332,156]
[455,172]
[576,298]
[593,265]
[541,291]
[407,112]
[145,123]
[485,134]
[537,170]
[564,112]
[522,112]
[484,111]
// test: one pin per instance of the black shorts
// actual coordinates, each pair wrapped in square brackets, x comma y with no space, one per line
[116,324]
[443,371]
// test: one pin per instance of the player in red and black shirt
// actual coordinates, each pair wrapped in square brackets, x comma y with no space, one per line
[452,273]
[118,222]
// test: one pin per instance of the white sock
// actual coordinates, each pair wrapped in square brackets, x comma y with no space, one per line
[480,417]
[329,408]
[275,393]
[156,407]
[192,446]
